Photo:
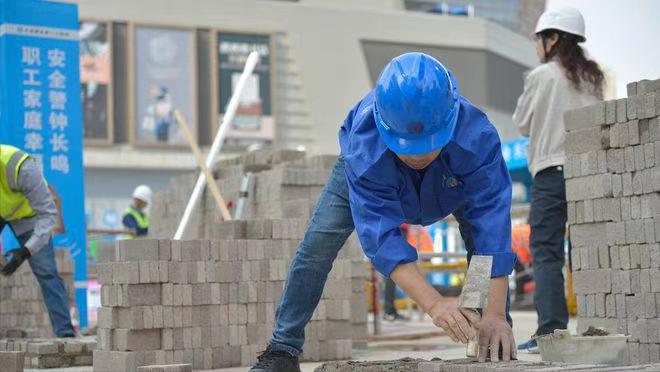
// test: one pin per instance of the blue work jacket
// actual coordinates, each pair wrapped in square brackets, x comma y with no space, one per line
[469,173]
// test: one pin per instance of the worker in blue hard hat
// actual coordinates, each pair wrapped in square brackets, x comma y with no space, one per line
[413,150]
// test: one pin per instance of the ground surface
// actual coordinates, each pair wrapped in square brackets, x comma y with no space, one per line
[395,347]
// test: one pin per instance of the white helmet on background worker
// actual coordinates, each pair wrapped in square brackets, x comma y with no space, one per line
[565,19]
[143,192]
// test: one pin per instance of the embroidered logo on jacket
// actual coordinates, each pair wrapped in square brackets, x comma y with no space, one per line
[449,181]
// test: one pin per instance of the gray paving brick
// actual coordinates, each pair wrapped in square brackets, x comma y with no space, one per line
[615,134]
[654,129]
[649,231]
[166,368]
[646,106]
[640,162]
[610,111]
[621,114]
[12,361]
[631,107]
[589,187]
[626,179]
[586,140]
[585,117]
[615,261]
[610,306]
[633,132]
[599,303]
[629,159]
[649,155]
[112,361]
[604,257]
[592,281]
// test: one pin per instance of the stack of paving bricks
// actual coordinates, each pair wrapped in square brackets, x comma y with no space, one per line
[612,176]
[284,184]
[211,303]
[22,310]
[51,353]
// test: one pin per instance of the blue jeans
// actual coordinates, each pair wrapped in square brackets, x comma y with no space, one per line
[547,220]
[55,294]
[331,225]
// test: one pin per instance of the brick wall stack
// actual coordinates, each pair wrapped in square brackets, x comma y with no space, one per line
[22,310]
[51,353]
[284,186]
[211,303]
[612,176]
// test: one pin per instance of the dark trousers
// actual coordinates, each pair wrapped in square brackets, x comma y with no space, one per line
[547,220]
[390,294]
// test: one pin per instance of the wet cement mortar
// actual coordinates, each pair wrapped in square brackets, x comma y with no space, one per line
[400,365]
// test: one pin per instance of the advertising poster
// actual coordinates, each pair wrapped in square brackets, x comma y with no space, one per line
[254,122]
[165,80]
[41,114]
[95,78]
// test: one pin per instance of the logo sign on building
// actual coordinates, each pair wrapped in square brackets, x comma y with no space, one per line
[165,80]
[515,153]
[40,111]
[254,122]
[95,77]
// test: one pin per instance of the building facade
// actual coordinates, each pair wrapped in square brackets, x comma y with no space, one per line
[141,60]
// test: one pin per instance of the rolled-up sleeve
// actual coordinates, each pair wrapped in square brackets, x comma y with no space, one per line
[488,208]
[32,184]
[377,215]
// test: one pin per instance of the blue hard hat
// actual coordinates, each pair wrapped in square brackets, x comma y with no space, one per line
[416,105]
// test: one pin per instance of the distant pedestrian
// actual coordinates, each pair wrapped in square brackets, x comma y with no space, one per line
[565,80]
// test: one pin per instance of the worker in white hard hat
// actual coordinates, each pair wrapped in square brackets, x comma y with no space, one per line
[565,80]
[135,217]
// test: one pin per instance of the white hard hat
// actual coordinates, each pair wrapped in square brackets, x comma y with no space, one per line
[143,192]
[565,19]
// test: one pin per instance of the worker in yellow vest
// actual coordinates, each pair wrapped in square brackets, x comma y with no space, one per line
[28,209]
[135,217]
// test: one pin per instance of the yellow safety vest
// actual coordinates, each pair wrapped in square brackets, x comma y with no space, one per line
[141,219]
[14,205]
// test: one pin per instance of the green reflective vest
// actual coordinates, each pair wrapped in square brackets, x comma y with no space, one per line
[141,218]
[15,205]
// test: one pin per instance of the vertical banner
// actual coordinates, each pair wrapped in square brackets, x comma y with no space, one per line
[165,80]
[95,79]
[40,111]
[254,122]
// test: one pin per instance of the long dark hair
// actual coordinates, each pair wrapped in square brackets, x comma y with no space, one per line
[571,56]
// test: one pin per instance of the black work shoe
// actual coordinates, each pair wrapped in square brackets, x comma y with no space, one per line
[276,361]
[391,317]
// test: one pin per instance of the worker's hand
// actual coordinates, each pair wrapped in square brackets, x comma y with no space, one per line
[18,256]
[459,323]
[494,331]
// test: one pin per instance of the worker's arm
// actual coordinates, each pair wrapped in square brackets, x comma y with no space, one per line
[487,192]
[377,215]
[522,116]
[494,329]
[32,184]
[458,323]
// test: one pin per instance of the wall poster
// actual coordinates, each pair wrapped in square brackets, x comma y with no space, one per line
[254,122]
[96,81]
[165,75]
